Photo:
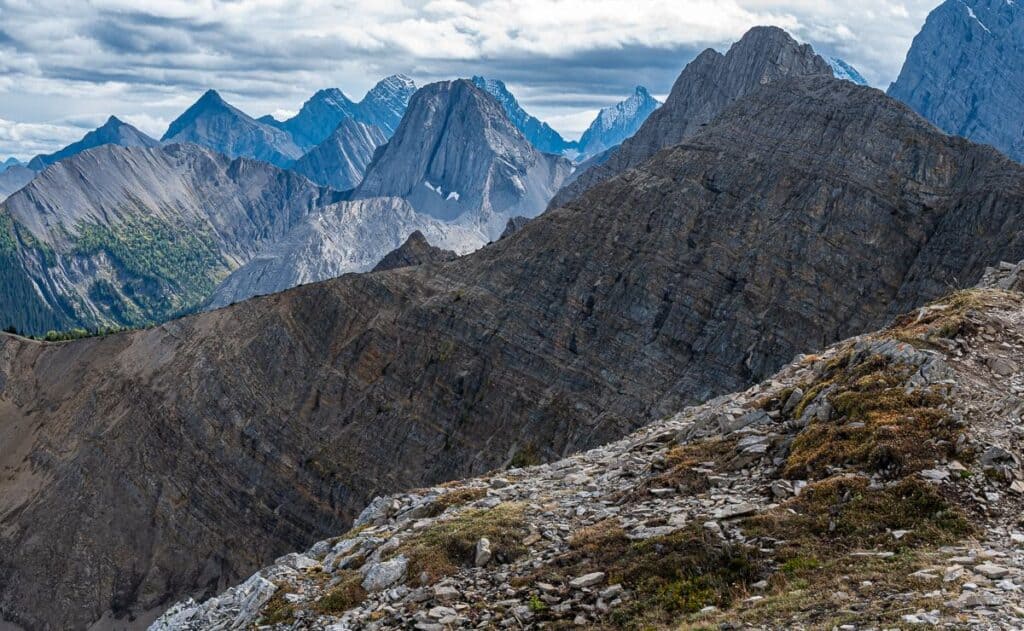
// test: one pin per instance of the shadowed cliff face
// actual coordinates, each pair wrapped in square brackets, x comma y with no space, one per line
[174,460]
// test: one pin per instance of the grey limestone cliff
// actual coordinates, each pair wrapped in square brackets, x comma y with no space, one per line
[965,72]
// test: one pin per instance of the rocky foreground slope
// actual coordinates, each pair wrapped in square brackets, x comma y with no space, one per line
[878,483]
[177,460]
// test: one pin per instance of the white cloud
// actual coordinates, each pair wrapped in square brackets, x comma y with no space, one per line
[147,61]
[24,140]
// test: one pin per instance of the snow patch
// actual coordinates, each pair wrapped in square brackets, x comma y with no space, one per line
[974,16]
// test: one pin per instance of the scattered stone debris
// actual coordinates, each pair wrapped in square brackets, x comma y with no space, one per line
[876,485]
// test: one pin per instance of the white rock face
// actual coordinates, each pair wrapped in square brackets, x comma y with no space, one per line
[237,608]
[965,72]
[342,238]
[457,157]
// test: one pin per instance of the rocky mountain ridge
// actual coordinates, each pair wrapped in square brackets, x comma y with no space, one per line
[783,505]
[112,132]
[125,236]
[708,85]
[415,251]
[965,72]
[459,184]
[678,281]
[213,123]
[382,107]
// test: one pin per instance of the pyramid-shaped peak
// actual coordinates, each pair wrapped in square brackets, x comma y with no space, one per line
[330,95]
[210,98]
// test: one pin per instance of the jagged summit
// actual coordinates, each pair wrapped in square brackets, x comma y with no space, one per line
[214,123]
[965,72]
[705,88]
[617,123]
[457,156]
[539,133]
[319,116]
[382,107]
[113,132]
[843,70]
[385,103]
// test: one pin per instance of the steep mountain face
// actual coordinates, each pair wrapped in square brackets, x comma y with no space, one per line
[132,235]
[213,123]
[458,158]
[113,132]
[707,85]
[965,72]
[341,160]
[385,104]
[13,178]
[346,237]
[810,210]
[617,123]
[415,251]
[539,133]
[845,71]
[319,117]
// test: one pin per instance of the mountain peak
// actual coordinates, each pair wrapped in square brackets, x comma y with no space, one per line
[539,133]
[214,123]
[708,84]
[394,84]
[617,123]
[333,94]
[113,132]
[845,71]
[456,154]
[415,251]
[385,103]
[211,97]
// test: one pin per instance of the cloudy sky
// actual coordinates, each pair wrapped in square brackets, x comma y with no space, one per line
[66,65]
